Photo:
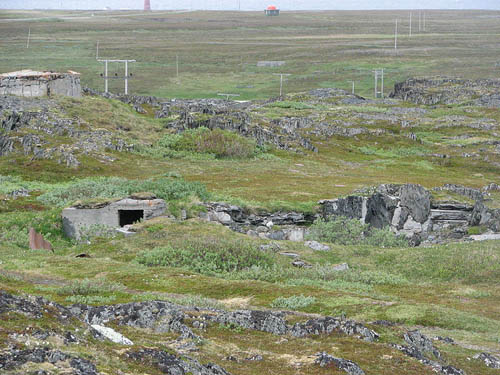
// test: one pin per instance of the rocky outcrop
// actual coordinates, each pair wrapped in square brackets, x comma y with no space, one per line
[443,90]
[324,360]
[409,210]
[29,130]
[15,358]
[156,315]
[420,347]
[291,224]
[489,360]
[170,364]
[275,323]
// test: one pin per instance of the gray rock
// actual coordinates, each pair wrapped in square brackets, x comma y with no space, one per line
[341,267]
[170,364]
[301,264]
[417,200]
[291,255]
[265,321]
[489,360]
[323,359]
[317,246]
[112,335]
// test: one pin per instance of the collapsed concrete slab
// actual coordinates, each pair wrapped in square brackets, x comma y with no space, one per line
[31,83]
[83,218]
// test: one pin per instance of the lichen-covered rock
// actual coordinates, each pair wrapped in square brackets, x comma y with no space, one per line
[15,358]
[329,324]
[489,360]
[265,321]
[170,364]
[418,346]
[323,359]
[157,315]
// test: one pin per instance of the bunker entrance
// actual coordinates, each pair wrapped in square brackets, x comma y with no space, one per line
[130,216]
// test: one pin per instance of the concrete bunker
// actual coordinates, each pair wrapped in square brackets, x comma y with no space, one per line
[83,218]
[126,217]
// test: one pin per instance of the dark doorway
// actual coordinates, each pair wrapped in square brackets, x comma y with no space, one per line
[130,216]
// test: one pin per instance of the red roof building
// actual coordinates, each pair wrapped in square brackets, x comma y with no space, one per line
[271,10]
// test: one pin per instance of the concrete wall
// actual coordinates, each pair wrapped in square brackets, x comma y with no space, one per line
[78,220]
[63,84]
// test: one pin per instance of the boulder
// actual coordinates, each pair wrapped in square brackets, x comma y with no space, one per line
[317,246]
[112,335]
[489,360]
[417,200]
[323,360]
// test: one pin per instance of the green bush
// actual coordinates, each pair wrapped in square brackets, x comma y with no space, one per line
[344,231]
[216,143]
[293,302]
[208,256]
[340,230]
[15,226]
[116,187]
[87,287]
[91,300]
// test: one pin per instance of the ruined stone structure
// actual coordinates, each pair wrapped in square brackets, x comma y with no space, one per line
[80,218]
[31,83]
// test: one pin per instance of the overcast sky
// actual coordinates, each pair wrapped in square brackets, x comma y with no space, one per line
[251,4]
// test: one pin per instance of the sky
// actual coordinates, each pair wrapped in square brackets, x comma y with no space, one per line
[251,4]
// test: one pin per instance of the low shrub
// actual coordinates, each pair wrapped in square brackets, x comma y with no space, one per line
[208,256]
[293,302]
[216,143]
[91,300]
[221,143]
[344,231]
[87,287]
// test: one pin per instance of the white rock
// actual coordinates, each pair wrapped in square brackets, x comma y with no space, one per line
[223,218]
[112,335]
[341,267]
[315,245]
[269,224]
[486,236]
[412,226]
[296,235]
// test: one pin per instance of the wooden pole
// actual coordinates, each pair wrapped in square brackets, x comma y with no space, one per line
[410,24]
[396,36]
[29,36]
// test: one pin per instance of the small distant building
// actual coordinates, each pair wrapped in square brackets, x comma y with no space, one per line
[272,11]
[117,214]
[31,83]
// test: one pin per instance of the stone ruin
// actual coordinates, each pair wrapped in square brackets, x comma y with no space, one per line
[118,215]
[31,83]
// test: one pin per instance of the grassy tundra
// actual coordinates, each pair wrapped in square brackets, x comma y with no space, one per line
[443,290]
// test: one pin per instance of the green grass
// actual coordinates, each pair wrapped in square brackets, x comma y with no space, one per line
[450,290]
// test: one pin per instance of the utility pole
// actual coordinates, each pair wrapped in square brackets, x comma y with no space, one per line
[281,81]
[106,76]
[228,95]
[29,36]
[177,65]
[410,25]
[379,74]
[352,87]
[419,21]
[424,22]
[396,36]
